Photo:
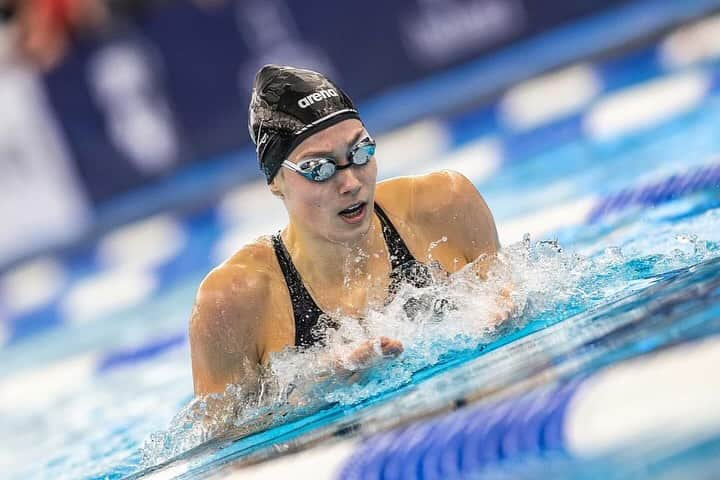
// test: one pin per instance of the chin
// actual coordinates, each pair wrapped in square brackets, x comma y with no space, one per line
[349,233]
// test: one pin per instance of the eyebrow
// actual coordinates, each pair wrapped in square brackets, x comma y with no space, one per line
[315,153]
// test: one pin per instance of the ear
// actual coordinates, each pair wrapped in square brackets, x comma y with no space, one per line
[275,187]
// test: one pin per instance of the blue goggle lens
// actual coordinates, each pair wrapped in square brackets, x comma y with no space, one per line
[322,169]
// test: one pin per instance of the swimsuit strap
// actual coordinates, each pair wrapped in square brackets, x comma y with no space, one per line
[399,252]
[404,267]
[305,310]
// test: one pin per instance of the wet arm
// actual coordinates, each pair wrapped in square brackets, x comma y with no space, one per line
[458,211]
[480,236]
[464,217]
[223,333]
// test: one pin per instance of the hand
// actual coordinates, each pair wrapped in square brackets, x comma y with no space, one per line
[367,355]
[506,307]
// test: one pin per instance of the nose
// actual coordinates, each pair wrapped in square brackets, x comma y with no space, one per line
[349,182]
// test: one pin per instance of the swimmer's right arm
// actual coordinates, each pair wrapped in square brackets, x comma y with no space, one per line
[224,330]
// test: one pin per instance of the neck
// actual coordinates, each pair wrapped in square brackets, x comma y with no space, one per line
[325,262]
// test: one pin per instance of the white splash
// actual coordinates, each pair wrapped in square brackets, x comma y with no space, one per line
[456,313]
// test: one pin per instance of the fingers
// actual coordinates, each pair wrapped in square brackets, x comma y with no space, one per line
[364,353]
[501,316]
[367,354]
[390,347]
[506,309]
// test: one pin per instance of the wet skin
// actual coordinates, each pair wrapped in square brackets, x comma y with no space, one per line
[243,311]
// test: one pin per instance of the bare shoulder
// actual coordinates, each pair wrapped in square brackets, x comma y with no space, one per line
[443,193]
[446,203]
[226,323]
[423,197]
[242,278]
[395,195]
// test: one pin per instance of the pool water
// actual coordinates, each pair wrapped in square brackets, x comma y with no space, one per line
[672,307]
[621,260]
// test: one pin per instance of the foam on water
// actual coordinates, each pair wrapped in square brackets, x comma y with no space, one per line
[455,314]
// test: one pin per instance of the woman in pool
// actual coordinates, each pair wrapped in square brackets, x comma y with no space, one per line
[318,158]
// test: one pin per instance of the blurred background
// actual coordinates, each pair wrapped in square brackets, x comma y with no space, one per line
[116,111]
[127,172]
[104,99]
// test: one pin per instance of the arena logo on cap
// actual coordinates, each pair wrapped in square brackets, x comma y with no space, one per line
[316,97]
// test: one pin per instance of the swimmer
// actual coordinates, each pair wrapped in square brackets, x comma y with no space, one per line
[319,160]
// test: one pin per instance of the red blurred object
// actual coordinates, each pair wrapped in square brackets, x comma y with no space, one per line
[57,12]
[45,26]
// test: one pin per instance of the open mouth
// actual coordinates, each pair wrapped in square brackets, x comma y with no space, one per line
[353,211]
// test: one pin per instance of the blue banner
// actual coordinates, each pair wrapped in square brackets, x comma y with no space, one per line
[170,86]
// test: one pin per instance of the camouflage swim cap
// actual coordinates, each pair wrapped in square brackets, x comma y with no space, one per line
[288,105]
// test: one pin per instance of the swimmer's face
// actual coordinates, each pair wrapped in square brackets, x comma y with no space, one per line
[328,209]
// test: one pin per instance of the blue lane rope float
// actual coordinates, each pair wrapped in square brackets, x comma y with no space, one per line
[143,352]
[464,442]
[655,193]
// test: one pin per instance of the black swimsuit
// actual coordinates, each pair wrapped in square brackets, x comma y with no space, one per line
[306,312]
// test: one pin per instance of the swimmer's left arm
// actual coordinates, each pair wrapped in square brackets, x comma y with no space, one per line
[460,214]
[453,208]
[478,232]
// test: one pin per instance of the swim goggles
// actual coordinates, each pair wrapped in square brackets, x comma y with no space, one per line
[322,169]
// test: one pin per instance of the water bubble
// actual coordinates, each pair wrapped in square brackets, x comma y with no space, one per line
[686,238]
